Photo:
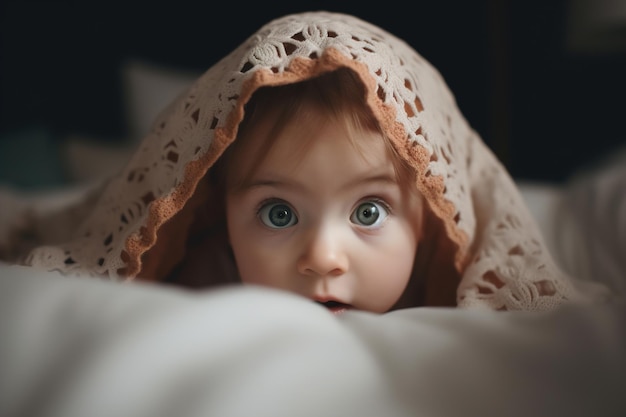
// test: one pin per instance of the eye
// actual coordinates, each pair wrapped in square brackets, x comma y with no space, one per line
[277,215]
[369,213]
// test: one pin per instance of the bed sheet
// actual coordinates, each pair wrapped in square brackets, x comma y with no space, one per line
[75,347]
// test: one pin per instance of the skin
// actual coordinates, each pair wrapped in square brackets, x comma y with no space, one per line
[306,222]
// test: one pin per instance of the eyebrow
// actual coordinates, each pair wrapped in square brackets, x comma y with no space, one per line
[286,182]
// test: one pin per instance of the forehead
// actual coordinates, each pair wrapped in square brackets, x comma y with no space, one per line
[313,136]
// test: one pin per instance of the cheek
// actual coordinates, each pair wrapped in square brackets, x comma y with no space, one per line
[398,269]
[261,268]
[399,272]
[389,269]
[256,262]
[252,263]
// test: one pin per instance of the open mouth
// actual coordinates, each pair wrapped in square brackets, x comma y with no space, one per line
[335,307]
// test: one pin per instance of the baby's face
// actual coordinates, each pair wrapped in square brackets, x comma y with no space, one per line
[332,224]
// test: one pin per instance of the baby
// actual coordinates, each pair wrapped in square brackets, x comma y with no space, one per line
[317,200]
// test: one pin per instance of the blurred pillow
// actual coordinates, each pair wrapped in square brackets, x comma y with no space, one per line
[148,89]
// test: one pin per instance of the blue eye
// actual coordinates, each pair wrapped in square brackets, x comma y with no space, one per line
[277,215]
[369,213]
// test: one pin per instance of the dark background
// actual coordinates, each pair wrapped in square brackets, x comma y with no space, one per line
[546,105]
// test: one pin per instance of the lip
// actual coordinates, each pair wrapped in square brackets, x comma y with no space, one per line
[334,306]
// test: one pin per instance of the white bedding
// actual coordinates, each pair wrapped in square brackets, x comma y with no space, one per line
[82,347]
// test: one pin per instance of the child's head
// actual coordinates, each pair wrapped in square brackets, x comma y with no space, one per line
[317,201]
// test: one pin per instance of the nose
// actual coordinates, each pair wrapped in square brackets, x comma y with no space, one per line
[323,253]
